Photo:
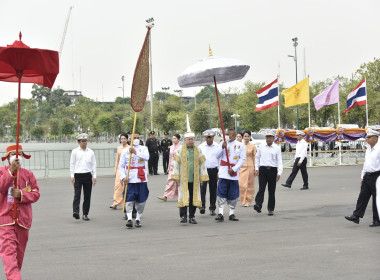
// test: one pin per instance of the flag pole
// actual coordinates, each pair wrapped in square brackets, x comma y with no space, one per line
[130,158]
[278,106]
[338,106]
[366,103]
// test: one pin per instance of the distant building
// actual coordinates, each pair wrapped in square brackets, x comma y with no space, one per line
[188,99]
[74,95]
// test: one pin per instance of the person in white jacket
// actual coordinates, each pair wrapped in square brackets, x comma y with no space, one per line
[300,162]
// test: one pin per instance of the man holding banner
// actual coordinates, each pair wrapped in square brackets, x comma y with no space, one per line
[137,182]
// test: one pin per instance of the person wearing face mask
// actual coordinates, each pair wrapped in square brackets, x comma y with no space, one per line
[118,188]
[137,181]
[228,185]
[14,228]
[83,175]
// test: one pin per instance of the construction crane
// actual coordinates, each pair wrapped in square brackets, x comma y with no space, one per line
[64,31]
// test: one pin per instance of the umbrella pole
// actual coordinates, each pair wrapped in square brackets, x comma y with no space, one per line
[221,122]
[15,210]
[130,158]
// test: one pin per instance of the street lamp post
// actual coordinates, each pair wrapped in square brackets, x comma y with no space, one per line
[166,89]
[295,44]
[179,92]
[235,116]
[150,24]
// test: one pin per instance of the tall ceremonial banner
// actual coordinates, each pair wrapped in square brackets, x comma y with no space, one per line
[140,82]
[268,96]
[139,91]
[297,94]
[357,97]
[327,97]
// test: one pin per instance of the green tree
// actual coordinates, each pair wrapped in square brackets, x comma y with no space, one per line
[14,129]
[37,132]
[39,93]
[104,122]
[67,126]
[54,127]
[161,96]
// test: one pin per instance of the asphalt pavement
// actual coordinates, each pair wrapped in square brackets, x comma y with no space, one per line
[307,238]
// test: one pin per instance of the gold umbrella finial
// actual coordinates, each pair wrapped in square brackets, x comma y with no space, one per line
[209,50]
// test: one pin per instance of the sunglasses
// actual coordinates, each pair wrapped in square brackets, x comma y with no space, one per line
[83,140]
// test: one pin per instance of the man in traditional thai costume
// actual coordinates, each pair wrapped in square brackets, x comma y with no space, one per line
[14,227]
[137,189]
[228,186]
[190,170]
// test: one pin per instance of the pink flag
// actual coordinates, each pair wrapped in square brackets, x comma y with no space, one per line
[327,97]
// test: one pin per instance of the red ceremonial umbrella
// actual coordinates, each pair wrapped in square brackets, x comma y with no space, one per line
[22,64]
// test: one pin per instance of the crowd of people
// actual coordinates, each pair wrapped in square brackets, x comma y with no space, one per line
[228,169]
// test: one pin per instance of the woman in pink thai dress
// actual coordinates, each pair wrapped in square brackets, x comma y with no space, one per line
[171,189]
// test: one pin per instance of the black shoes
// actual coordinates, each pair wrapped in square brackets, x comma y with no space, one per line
[183,219]
[150,173]
[85,218]
[375,224]
[137,223]
[286,185]
[270,213]
[156,174]
[304,188]
[202,210]
[353,218]
[129,224]
[233,218]
[219,218]
[192,221]
[76,216]
[212,212]
[257,208]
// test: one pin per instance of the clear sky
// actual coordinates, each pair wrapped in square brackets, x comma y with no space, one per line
[104,39]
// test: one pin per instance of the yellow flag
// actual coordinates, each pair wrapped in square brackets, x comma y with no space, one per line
[297,94]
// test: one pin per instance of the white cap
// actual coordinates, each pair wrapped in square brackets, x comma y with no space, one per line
[299,132]
[370,132]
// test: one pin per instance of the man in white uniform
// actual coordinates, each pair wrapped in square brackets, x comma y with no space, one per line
[83,174]
[299,163]
[370,180]
[268,167]
[137,182]
[212,152]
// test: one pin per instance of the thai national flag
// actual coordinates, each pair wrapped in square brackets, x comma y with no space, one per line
[357,97]
[268,96]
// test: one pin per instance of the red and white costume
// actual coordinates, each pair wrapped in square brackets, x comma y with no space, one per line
[14,234]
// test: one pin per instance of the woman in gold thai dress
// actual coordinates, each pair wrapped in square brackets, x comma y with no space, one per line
[247,172]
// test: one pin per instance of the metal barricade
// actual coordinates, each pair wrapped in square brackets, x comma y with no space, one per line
[37,162]
[60,159]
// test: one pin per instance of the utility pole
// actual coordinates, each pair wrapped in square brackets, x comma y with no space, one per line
[150,24]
